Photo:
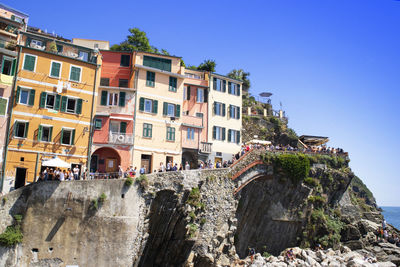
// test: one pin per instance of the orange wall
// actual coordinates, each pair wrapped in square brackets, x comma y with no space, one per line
[111,68]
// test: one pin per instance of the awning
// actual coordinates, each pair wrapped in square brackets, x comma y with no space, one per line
[261,142]
[56,162]
[312,140]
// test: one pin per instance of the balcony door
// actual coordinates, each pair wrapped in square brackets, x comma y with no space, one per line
[114,127]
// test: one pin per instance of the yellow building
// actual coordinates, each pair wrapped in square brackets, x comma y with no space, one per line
[159,83]
[52,105]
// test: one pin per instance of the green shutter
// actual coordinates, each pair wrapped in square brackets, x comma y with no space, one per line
[144,130]
[229,88]
[141,104]
[238,137]
[43,96]
[55,69]
[79,106]
[173,134]
[29,63]
[57,102]
[13,67]
[205,95]
[39,136]
[229,135]
[172,84]
[178,111]
[62,135]
[223,134]
[3,106]
[165,108]
[215,108]
[150,77]
[103,100]
[15,128]
[238,112]
[224,86]
[75,74]
[150,130]
[17,94]
[188,93]
[50,134]
[122,99]
[26,129]
[73,137]
[31,101]
[214,132]
[155,106]
[223,110]
[122,128]
[63,103]
[238,90]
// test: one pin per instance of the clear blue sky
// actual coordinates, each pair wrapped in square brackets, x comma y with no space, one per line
[334,64]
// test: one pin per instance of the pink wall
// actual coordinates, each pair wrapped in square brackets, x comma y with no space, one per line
[192,106]
[190,143]
[101,136]
[111,68]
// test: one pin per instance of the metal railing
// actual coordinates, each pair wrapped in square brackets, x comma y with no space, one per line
[120,138]
[205,147]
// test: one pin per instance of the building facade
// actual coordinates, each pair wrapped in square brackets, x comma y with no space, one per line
[195,147]
[159,85]
[52,105]
[224,119]
[115,110]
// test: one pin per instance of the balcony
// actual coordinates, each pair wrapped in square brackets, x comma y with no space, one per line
[205,147]
[120,138]
[192,121]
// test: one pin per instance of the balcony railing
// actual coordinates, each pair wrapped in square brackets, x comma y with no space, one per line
[205,147]
[192,120]
[120,138]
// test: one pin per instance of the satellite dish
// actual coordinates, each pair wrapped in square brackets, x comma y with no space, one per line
[265,94]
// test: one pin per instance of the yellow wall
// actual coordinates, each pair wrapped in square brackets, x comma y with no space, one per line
[39,80]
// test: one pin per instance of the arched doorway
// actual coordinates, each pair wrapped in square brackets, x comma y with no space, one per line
[105,160]
[191,157]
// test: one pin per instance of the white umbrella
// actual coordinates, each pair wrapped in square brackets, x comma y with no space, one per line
[56,162]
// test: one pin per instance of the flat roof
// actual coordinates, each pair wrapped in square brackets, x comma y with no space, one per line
[91,40]
[13,10]
[213,73]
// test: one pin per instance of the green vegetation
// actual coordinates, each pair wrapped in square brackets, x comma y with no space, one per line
[192,230]
[129,181]
[311,181]
[13,234]
[94,204]
[143,181]
[295,166]
[102,198]
[203,221]
[53,47]
[192,215]
[241,75]
[194,197]
[4,200]
[318,201]
[266,254]
[206,65]
[331,161]
[18,218]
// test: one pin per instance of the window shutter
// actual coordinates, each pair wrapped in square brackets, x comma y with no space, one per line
[155,106]
[214,132]
[238,89]
[17,94]
[223,110]
[188,93]
[224,86]
[62,135]
[229,88]
[172,84]
[73,137]
[103,100]
[26,129]
[55,69]
[50,133]
[39,136]
[122,128]
[165,108]
[29,63]
[122,99]
[229,112]
[141,104]
[238,112]
[229,135]
[205,95]
[215,84]
[79,106]
[237,137]
[43,97]
[151,130]
[223,134]
[15,128]
[215,108]
[57,102]
[178,111]
[173,134]
[13,66]
[31,100]
[63,103]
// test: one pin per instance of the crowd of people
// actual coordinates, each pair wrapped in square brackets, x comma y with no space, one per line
[382,234]
[56,174]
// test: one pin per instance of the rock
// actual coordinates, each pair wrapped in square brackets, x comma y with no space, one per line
[344,249]
[386,264]
[311,261]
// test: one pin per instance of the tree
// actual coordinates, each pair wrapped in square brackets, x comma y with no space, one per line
[207,65]
[241,75]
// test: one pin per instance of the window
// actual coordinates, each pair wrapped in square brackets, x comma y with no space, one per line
[36,43]
[3,106]
[233,136]
[148,105]
[171,110]
[75,74]
[44,133]
[21,129]
[199,114]
[25,96]
[219,109]
[190,133]
[219,85]
[115,126]
[83,56]
[8,66]
[234,89]
[71,105]
[125,60]
[218,133]
[172,84]
[150,79]
[170,134]
[158,63]
[55,69]
[98,124]
[123,83]
[67,136]
[113,99]
[234,112]
[50,101]
[147,130]
[104,81]
[200,95]
[29,62]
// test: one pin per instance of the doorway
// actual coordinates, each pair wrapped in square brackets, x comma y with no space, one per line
[111,165]
[146,162]
[93,163]
[20,177]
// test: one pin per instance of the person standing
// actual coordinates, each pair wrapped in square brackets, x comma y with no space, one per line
[62,175]
[142,170]
[187,166]
[162,167]
[76,173]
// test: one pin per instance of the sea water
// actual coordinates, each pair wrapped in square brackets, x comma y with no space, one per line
[392,215]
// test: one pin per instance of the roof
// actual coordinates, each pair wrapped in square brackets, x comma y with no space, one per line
[14,10]
[91,40]
[138,51]
[314,140]
[213,73]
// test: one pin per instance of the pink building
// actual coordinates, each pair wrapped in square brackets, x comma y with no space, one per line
[114,120]
[194,120]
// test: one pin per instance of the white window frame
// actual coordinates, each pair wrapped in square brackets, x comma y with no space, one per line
[115,122]
[79,57]
[219,82]
[173,110]
[218,133]
[218,111]
[70,137]
[23,63]
[190,133]
[80,73]
[151,105]
[55,96]
[22,121]
[5,113]
[45,126]
[198,99]
[233,136]
[66,105]
[111,96]
[51,66]
[184,92]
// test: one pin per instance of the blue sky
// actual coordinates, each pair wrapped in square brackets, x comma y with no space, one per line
[334,64]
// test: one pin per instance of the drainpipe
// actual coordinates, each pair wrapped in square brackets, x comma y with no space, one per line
[11,103]
[89,157]
[36,165]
